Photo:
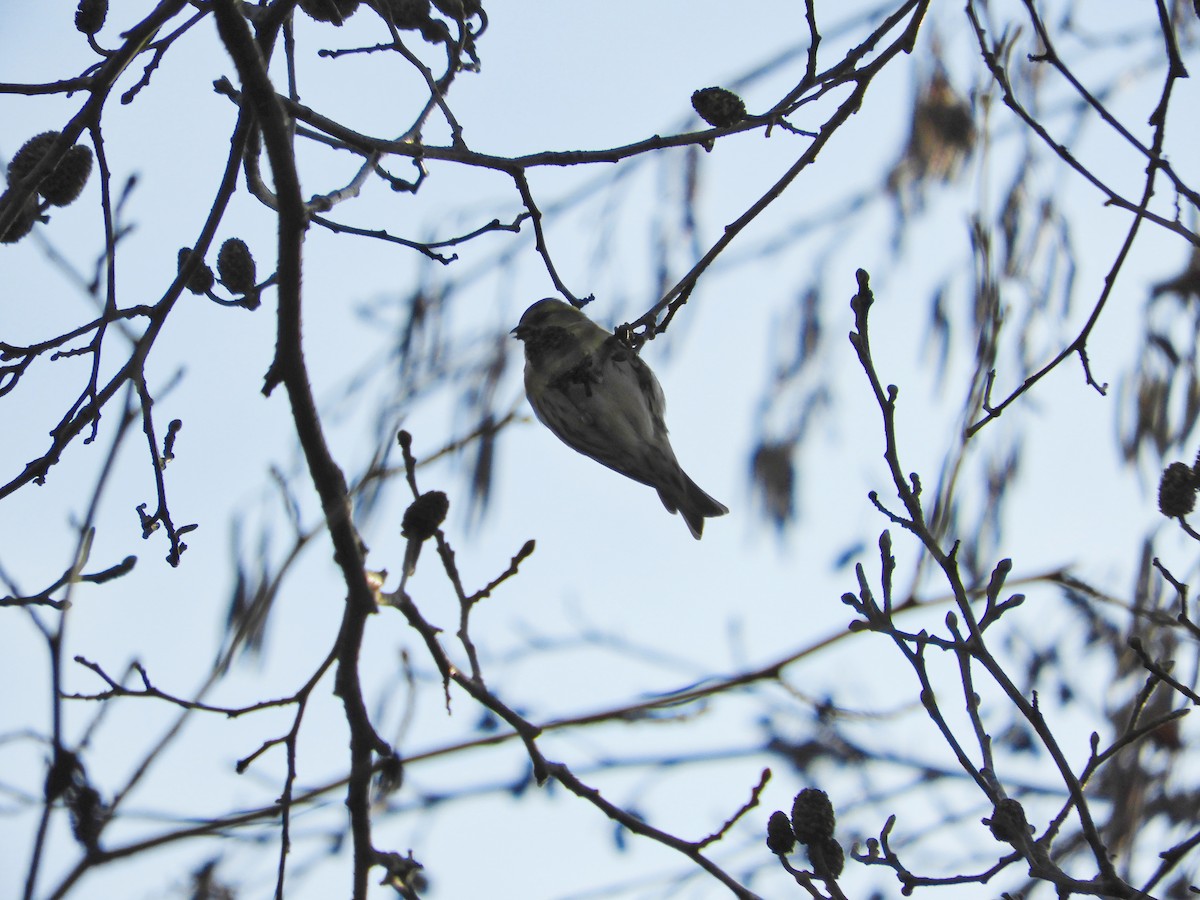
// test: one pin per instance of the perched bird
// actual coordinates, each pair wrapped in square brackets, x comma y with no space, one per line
[599,398]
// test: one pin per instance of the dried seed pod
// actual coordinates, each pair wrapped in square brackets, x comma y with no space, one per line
[422,518]
[202,280]
[90,16]
[812,816]
[66,181]
[26,159]
[23,223]
[718,107]
[780,837]
[828,858]
[409,14]
[235,265]
[335,11]
[1177,490]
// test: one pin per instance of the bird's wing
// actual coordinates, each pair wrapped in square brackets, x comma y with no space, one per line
[610,407]
[614,355]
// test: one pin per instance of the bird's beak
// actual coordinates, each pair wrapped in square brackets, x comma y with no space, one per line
[520,333]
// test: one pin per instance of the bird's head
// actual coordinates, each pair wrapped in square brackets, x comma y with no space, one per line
[545,314]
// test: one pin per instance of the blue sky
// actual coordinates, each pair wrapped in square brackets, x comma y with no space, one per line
[629,604]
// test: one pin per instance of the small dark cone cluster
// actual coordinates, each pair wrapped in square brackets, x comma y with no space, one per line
[459,9]
[1177,490]
[828,858]
[201,280]
[812,816]
[235,265]
[90,16]
[63,184]
[60,186]
[335,11]
[425,515]
[811,823]
[718,107]
[780,837]
[66,180]
[409,14]
[26,159]
[23,223]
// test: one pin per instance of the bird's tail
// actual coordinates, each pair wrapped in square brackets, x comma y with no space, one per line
[692,503]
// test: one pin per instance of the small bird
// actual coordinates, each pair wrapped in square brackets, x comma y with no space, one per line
[599,398]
